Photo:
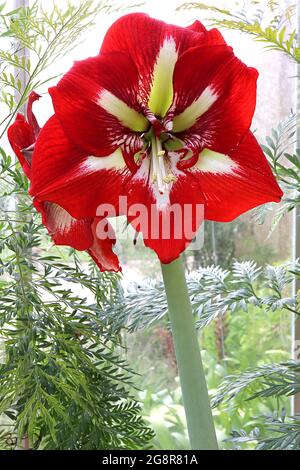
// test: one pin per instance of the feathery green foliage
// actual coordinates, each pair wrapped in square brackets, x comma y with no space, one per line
[277,434]
[214,292]
[253,18]
[62,385]
[284,159]
[48,36]
[272,380]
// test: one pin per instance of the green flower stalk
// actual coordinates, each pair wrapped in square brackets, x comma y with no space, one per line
[192,379]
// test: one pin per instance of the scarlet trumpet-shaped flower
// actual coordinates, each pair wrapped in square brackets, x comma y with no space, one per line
[161,116]
[64,229]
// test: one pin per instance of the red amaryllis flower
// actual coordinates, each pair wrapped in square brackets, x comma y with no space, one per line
[161,116]
[63,228]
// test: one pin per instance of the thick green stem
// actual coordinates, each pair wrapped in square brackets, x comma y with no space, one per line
[194,390]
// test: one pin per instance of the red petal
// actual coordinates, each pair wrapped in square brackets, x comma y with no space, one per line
[32,121]
[228,117]
[102,249]
[77,99]
[63,228]
[251,184]
[59,175]
[22,134]
[168,235]
[198,27]
[142,37]
[127,33]
[212,36]
[79,234]
[20,137]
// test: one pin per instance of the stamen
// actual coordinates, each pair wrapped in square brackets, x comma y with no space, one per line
[157,164]
[170,178]
[160,170]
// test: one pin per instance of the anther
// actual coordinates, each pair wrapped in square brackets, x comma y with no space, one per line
[169,178]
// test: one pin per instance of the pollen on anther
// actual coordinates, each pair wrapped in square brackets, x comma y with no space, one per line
[170,179]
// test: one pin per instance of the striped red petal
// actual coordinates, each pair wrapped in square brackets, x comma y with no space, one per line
[69,177]
[20,137]
[215,97]
[96,103]
[236,184]
[168,229]
[79,234]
